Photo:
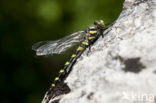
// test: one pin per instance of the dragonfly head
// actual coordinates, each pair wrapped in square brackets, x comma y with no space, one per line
[100,24]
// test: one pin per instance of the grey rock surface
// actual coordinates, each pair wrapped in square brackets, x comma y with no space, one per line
[121,67]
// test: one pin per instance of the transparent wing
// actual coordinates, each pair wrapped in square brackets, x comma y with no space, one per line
[58,46]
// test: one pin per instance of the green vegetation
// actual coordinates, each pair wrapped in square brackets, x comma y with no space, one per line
[24,78]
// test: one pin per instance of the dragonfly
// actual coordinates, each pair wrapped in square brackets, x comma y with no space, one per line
[86,38]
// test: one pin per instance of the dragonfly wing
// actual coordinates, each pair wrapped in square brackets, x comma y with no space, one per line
[58,46]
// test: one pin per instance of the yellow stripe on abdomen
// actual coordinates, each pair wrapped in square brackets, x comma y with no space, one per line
[67,63]
[61,71]
[80,48]
[90,38]
[57,78]
[53,85]
[85,43]
[74,55]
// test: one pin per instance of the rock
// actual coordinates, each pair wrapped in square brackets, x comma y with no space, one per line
[121,67]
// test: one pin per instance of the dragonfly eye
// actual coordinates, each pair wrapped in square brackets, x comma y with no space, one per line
[100,24]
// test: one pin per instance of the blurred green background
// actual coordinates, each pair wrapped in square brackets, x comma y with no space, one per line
[24,77]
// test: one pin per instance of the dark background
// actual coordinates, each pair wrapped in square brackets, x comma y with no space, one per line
[24,77]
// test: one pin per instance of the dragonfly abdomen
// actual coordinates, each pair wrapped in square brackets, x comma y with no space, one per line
[68,65]
[93,35]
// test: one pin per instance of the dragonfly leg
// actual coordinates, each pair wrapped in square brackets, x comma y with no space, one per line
[89,50]
[102,35]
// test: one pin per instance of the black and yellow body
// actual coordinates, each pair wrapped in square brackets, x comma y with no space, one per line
[92,34]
